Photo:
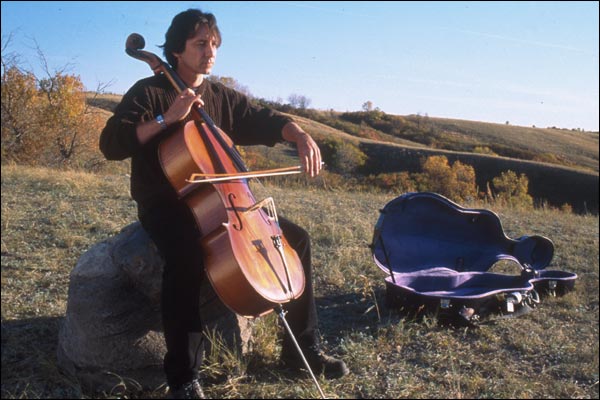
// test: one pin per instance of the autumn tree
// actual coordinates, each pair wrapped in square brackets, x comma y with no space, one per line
[19,120]
[512,190]
[465,187]
[456,182]
[46,121]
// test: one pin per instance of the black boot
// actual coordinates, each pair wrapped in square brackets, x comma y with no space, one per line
[191,390]
[319,362]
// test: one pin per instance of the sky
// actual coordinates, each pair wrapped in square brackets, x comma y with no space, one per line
[525,63]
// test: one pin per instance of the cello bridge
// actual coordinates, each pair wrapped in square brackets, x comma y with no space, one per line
[269,207]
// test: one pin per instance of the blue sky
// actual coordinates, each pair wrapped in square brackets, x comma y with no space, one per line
[529,63]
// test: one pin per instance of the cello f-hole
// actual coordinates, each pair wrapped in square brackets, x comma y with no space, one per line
[237,226]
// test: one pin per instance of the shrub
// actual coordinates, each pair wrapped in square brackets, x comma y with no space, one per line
[465,187]
[484,150]
[566,208]
[400,182]
[512,190]
[47,122]
[343,157]
[456,182]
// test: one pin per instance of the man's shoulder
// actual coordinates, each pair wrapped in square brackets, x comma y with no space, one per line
[154,81]
[147,90]
[222,89]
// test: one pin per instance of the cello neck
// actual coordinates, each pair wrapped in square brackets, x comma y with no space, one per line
[178,83]
[133,47]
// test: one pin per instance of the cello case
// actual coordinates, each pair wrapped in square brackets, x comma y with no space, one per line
[437,256]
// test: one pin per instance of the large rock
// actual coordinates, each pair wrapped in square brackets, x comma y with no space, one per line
[111,333]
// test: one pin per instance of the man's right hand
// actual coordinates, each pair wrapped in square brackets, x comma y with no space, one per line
[182,106]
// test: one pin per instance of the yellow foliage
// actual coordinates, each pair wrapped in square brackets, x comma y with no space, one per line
[512,190]
[47,122]
[456,182]
[19,103]
[483,150]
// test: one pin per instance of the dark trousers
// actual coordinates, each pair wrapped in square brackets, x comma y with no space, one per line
[174,232]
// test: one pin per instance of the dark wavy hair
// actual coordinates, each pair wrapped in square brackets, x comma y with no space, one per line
[184,26]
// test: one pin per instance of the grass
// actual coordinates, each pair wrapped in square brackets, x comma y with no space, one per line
[50,218]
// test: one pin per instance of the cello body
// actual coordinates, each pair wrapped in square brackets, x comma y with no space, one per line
[244,267]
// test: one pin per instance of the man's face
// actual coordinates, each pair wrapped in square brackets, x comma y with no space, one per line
[199,54]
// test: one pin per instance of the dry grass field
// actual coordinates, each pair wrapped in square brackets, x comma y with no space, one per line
[50,218]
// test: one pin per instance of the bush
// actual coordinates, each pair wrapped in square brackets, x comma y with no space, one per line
[510,189]
[400,182]
[47,122]
[20,102]
[343,157]
[483,150]
[456,182]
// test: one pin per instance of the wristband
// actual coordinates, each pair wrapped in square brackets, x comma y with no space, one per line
[161,121]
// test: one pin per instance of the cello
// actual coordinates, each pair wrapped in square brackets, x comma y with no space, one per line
[247,259]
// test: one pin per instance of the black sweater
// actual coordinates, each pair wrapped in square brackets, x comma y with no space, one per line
[230,110]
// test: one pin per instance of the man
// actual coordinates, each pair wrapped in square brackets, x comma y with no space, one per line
[148,113]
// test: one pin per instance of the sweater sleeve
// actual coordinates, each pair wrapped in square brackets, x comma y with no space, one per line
[251,124]
[118,139]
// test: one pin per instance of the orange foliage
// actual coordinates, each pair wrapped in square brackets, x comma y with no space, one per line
[456,182]
[47,122]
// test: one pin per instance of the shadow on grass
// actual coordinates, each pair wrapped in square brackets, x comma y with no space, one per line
[29,347]
[29,368]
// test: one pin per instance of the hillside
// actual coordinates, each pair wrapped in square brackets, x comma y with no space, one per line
[562,165]
[553,183]
[572,148]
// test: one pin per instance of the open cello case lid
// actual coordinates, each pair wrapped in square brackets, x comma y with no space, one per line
[437,256]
